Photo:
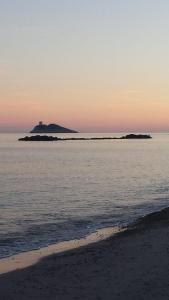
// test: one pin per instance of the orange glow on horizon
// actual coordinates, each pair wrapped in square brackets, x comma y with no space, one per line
[88,111]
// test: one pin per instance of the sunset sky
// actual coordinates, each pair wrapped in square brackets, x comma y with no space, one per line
[89,65]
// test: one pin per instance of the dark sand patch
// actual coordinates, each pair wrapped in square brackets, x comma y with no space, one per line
[132,265]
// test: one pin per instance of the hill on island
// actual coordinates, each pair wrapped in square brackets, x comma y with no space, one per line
[51,128]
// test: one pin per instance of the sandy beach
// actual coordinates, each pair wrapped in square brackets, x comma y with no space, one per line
[130,265]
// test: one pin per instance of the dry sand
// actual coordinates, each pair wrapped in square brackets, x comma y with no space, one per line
[131,265]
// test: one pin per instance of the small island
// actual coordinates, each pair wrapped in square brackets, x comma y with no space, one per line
[136,136]
[45,138]
[51,128]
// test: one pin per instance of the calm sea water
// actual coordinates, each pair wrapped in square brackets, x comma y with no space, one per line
[55,191]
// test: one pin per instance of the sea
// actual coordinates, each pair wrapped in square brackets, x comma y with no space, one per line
[63,190]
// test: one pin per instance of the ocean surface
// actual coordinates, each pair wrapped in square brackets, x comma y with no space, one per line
[56,191]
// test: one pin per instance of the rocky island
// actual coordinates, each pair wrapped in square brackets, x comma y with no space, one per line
[51,128]
[136,136]
[45,138]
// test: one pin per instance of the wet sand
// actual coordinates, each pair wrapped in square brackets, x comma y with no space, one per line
[26,259]
[130,265]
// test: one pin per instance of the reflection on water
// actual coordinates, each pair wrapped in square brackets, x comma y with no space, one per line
[61,190]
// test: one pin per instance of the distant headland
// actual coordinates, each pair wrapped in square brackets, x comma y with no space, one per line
[51,128]
[46,138]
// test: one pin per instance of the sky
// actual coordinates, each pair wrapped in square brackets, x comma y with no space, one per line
[93,65]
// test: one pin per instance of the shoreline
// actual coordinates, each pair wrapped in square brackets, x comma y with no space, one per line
[133,264]
[26,259]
